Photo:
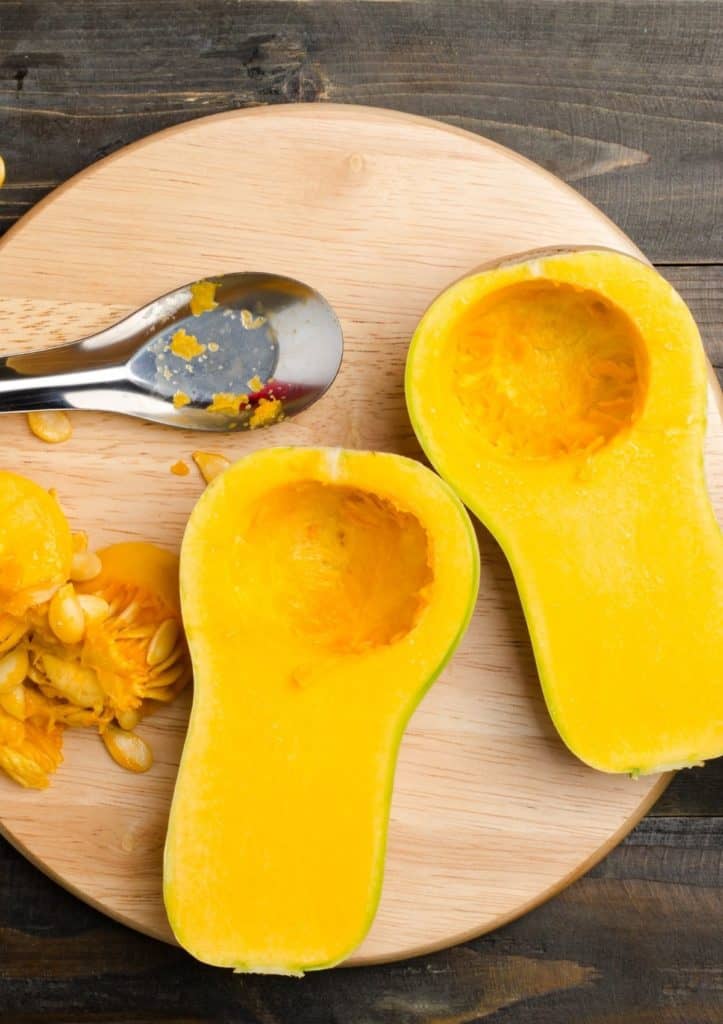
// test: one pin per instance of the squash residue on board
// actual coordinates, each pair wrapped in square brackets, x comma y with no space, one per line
[210,464]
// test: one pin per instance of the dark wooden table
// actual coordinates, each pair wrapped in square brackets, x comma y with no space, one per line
[623,100]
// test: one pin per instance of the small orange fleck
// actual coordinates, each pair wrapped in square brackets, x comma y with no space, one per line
[203,297]
[269,410]
[255,384]
[225,402]
[180,468]
[186,346]
[180,399]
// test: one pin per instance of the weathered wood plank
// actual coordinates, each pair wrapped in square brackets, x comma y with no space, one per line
[702,289]
[696,791]
[638,939]
[620,97]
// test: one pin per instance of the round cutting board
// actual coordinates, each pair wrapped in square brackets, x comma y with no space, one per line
[379,211]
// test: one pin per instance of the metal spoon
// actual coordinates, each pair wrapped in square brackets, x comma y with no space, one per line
[270,347]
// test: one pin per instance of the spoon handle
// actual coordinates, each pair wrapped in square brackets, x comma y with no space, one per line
[54,380]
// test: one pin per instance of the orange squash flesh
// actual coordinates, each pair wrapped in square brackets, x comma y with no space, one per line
[322,591]
[564,398]
[35,543]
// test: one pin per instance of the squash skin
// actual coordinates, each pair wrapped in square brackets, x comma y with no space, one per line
[616,551]
[311,753]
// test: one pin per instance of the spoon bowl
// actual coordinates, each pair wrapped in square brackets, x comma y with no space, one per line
[227,353]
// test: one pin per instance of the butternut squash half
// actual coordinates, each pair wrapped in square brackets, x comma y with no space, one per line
[564,398]
[322,591]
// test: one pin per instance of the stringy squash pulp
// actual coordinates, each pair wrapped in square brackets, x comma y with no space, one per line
[564,398]
[86,640]
[322,591]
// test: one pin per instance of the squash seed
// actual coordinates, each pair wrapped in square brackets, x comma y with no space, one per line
[12,631]
[13,669]
[76,683]
[129,719]
[23,769]
[127,749]
[85,566]
[169,676]
[130,612]
[41,595]
[168,690]
[163,641]
[95,608]
[51,427]
[13,701]
[65,615]
[178,652]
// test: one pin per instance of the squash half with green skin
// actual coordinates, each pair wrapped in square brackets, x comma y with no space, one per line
[322,592]
[563,396]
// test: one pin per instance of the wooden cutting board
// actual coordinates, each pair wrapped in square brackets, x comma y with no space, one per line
[379,211]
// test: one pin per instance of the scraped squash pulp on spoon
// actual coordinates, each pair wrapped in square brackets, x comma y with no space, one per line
[564,398]
[322,591]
